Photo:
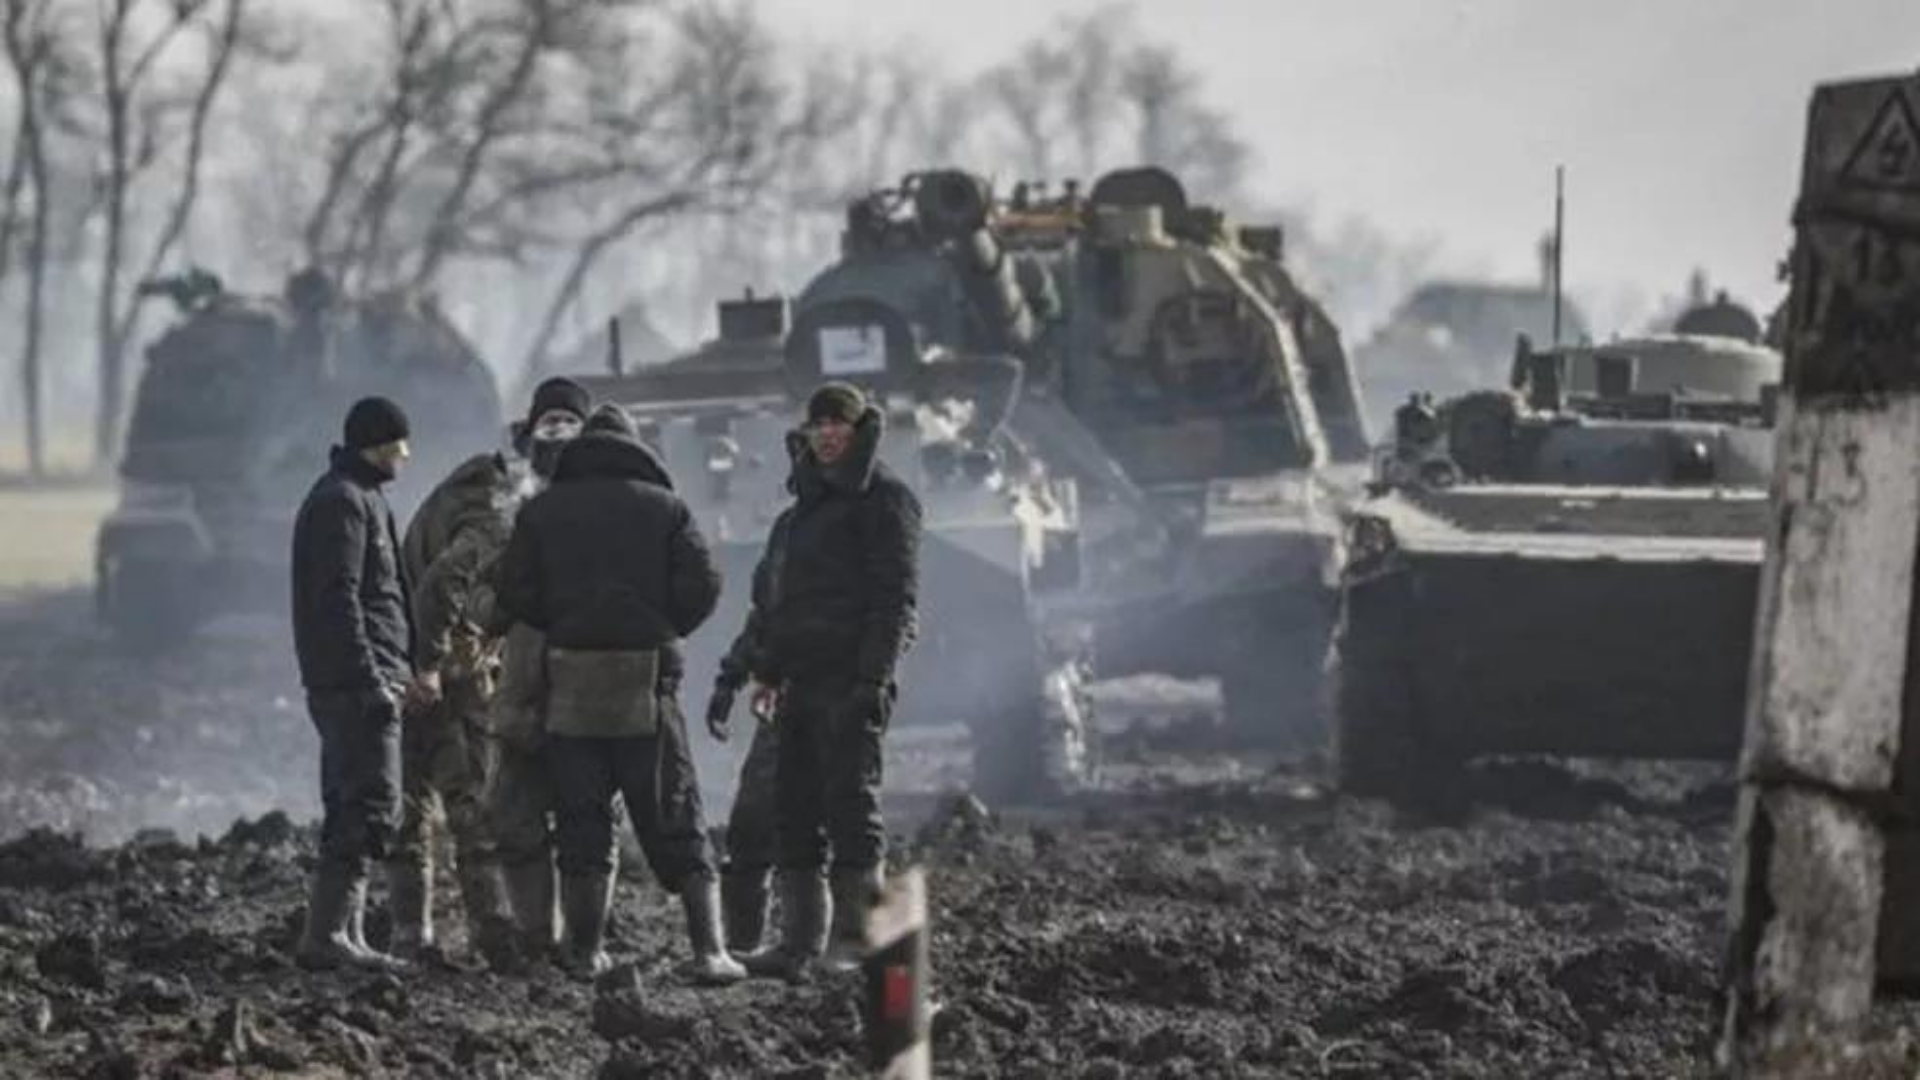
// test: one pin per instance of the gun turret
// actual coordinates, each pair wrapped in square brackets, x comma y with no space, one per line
[953,209]
[191,290]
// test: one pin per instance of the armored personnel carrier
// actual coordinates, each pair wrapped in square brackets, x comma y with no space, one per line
[239,401]
[999,647]
[1568,566]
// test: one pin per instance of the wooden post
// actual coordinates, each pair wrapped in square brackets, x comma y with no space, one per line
[899,981]
[1821,770]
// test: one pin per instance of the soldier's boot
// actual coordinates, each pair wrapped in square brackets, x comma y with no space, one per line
[585,900]
[712,966]
[410,906]
[803,927]
[489,930]
[854,894]
[743,899]
[327,941]
[530,895]
[369,957]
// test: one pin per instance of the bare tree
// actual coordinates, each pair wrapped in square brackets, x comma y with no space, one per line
[26,47]
[142,113]
[712,135]
[1172,127]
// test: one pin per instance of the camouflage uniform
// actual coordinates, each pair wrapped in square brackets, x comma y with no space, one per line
[520,799]
[453,540]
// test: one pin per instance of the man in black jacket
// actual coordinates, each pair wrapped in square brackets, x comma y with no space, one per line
[833,612]
[353,634]
[608,564]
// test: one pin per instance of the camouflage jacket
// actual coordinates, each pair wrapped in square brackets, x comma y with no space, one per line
[449,550]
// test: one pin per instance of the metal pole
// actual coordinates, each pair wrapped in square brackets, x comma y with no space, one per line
[1559,241]
[899,982]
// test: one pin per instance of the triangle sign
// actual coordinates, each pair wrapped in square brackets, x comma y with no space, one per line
[1888,158]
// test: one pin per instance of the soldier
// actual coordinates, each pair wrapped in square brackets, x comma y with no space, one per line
[520,797]
[608,564]
[834,611]
[751,844]
[353,637]
[448,551]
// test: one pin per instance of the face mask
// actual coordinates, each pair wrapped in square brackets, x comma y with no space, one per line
[544,456]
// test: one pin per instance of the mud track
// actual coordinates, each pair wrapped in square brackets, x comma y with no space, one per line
[1568,924]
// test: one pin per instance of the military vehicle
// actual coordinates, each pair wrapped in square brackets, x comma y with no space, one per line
[1164,379]
[998,648]
[238,404]
[1173,369]
[1452,337]
[1568,566]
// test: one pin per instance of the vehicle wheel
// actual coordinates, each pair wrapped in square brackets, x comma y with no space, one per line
[1380,747]
[150,606]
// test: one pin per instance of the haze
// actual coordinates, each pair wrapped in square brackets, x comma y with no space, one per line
[1680,124]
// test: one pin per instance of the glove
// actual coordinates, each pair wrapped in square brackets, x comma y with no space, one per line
[719,711]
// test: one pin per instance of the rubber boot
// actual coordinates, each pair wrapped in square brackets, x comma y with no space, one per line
[712,966]
[530,896]
[410,907]
[489,932]
[585,900]
[854,894]
[327,942]
[803,927]
[743,898]
[370,957]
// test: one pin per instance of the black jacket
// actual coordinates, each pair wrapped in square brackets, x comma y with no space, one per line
[608,557]
[837,592]
[351,628]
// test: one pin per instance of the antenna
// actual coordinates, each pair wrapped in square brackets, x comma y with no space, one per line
[1559,241]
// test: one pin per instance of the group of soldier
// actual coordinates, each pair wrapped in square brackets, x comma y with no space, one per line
[512,663]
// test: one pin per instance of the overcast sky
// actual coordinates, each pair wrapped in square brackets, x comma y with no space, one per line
[1680,122]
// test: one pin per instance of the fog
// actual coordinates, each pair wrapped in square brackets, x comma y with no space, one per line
[1680,124]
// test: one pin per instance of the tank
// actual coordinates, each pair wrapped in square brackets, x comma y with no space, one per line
[235,410]
[1002,647]
[1568,566]
[1200,400]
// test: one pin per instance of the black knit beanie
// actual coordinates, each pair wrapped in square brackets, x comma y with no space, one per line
[611,419]
[374,421]
[559,393]
[836,401]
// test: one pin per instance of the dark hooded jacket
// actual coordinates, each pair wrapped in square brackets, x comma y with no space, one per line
[608,557]
[836,594]
[351,623]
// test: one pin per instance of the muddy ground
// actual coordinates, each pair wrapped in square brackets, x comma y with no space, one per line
[1205,918]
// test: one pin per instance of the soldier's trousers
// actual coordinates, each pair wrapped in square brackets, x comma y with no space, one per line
[359,775]
[519,803]
[444,767]
[828,781]
[654,775]
[752,825]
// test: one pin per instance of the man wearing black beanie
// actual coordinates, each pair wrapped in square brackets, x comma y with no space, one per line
[353,634]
